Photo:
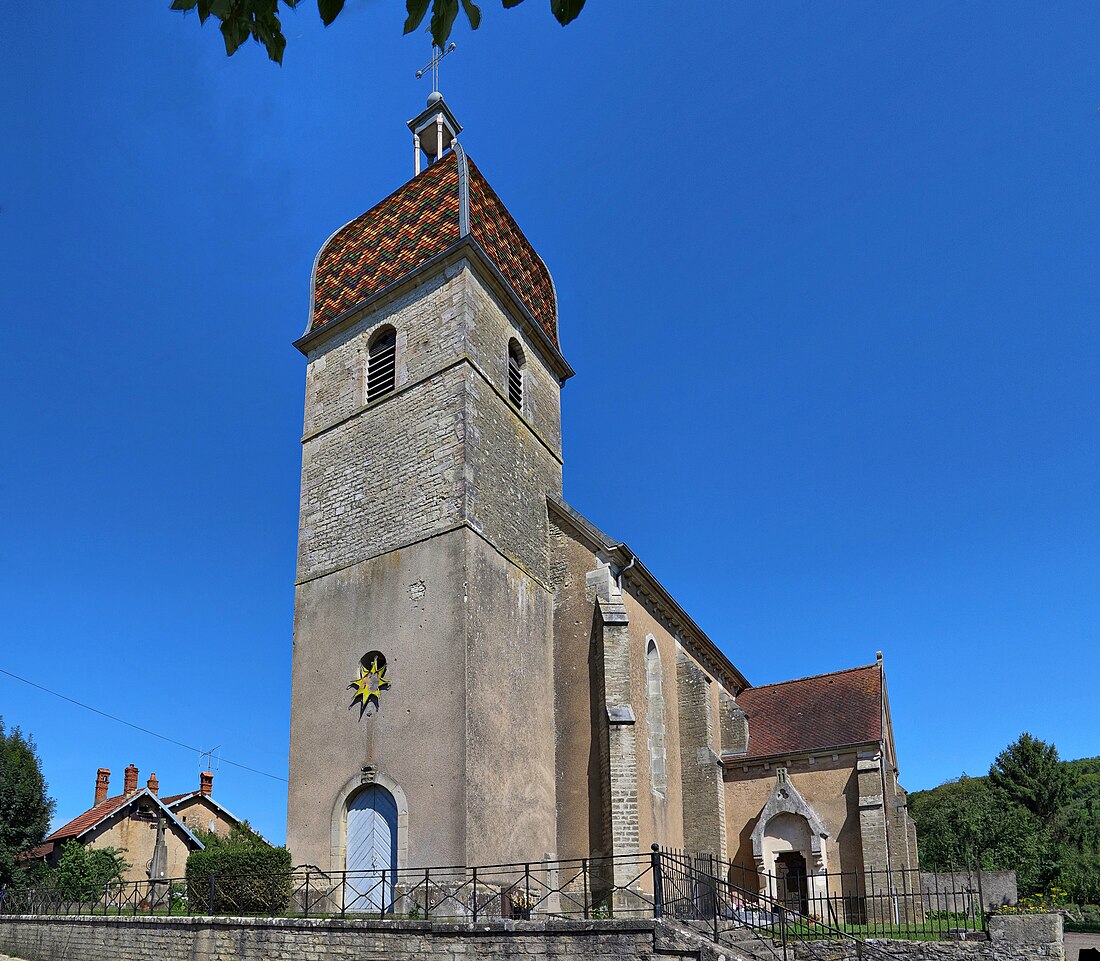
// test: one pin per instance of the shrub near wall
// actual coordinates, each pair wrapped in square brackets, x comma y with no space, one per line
[238,879]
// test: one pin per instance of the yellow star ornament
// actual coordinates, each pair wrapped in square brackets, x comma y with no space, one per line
[369,684]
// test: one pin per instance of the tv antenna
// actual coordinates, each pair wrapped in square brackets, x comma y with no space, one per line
[210,760]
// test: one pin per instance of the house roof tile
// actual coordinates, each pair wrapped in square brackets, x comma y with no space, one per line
[91,817]
[814,713]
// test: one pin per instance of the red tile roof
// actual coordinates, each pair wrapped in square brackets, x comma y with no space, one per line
[813,713]
[418,221]
[91,817]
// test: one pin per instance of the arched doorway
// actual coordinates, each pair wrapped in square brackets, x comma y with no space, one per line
[371,850]
[790,870]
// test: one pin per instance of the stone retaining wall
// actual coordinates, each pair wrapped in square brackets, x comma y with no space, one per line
[1011,938]
[264,939]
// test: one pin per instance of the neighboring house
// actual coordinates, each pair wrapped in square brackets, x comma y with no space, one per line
[129,822]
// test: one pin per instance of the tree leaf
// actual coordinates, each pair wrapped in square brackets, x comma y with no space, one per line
[235,32]
[443,18]
[329,10]
[473,13]
[566,11]
[416,10]
[508,4]
[183,4]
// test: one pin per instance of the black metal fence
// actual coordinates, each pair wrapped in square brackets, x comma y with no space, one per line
[731,900]
[581,888]
[726,901]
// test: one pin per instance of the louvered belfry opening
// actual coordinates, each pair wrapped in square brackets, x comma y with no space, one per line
[382,365]
[515,375]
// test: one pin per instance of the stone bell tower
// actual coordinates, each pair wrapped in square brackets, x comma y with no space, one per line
[423,624]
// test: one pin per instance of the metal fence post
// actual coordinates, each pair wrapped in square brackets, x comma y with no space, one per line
[981,895]
[658,881]
[306,912]
[584,874]
[210,903]
[475,894]
[527,888]
[427,898]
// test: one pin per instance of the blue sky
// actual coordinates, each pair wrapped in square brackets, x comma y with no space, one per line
[827,274]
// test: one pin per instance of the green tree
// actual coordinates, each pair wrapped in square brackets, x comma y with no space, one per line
[25,809]
[1030,773]
[259,19]
[82,873]
[967,822]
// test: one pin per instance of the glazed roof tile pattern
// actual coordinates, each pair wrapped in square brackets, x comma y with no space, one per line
[498,233]
[394,237]
[421,219]
[811,713]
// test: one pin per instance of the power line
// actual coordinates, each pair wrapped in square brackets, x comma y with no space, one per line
[138,727]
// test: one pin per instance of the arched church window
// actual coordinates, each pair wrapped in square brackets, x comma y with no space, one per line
[381,364]
[515,374]
[655,719]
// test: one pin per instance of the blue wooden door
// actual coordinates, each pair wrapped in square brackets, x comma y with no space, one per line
[371,860]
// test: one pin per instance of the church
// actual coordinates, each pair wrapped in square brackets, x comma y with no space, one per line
[480,674]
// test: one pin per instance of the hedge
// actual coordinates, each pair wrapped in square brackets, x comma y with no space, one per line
[238,879]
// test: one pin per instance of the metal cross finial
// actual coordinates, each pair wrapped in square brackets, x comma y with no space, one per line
[433,64]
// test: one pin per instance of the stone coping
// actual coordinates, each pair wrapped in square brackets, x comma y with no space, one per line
[490,926]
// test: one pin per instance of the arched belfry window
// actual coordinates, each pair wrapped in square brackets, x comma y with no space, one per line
[381,364]
[655,719]
[515,374]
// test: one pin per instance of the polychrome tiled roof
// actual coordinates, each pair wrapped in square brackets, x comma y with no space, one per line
[812,713]
[420,220]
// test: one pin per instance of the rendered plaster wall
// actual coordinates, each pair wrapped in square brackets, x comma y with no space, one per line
[829,786]
[409,605]
[263,939]
[660,819]
[136,839]
[583,820]
[200,815]
[509,729]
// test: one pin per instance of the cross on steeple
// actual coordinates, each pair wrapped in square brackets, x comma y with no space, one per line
[434,129]
[433,65]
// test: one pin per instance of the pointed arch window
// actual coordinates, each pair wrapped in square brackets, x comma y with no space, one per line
[381,364]
[516,364]
[655,719]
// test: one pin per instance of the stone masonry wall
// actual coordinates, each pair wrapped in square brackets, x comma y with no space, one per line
[1036,937]
[1011,938]
[700,772]
[248,939]
[444,448]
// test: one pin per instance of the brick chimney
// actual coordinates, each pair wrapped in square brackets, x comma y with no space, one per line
[206,784]
[130,784]
[102,784]
[153,784]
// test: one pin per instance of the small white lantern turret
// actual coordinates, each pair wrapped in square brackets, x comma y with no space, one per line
[435,128]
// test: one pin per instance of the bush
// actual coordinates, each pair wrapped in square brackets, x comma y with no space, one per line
[240,874]
[83,873]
